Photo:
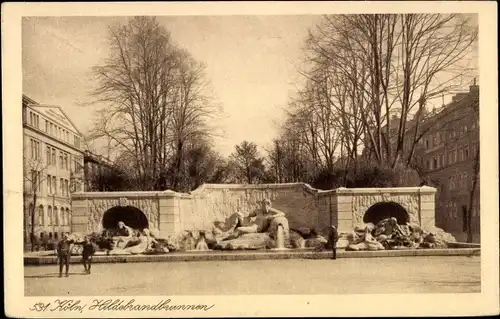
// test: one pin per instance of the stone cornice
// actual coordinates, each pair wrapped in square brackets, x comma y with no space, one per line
[306,187]
[391,190]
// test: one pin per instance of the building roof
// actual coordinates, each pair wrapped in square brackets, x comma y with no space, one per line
[32,103]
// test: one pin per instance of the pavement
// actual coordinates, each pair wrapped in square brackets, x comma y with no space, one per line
[412,274]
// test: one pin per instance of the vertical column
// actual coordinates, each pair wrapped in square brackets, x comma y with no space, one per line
[427,206]
[169,222]
[344,212]
[79,216]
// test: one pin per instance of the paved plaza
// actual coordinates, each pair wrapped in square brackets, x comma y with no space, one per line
[290,276]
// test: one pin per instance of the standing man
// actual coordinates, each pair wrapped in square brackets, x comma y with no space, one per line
[87,253]
[333,238]
[63,252]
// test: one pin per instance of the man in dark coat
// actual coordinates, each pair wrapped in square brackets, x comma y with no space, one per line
[89,248]
[333,238]
[63,252]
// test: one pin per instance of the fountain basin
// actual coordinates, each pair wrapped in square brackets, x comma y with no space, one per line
[32,259]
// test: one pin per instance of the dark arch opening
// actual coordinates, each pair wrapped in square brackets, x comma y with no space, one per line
[130,215]
[380,211]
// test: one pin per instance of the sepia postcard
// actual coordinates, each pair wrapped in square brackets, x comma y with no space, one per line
[212,159]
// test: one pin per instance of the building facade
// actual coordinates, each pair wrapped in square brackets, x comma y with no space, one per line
[448,152]
[53,168]
[445,152]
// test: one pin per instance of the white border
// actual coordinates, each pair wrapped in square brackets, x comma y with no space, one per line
[486,302]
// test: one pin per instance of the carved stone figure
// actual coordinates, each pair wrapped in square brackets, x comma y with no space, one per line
[238,228]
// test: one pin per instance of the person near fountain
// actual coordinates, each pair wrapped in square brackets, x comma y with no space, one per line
[63,252]
[262,215]
[333,238]
[88,251]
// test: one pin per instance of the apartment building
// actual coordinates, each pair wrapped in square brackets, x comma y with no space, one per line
[447,152]
[53,168]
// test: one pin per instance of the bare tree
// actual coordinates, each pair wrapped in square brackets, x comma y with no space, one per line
[385,65]
[154,93]
[35,174]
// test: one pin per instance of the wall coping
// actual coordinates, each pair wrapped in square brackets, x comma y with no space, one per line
[84,195]
[399,190]
[201,189]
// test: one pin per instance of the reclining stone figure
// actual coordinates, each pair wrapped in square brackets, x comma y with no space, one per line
[263,220]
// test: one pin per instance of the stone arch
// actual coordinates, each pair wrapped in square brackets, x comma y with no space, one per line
[382,210]
[130,215]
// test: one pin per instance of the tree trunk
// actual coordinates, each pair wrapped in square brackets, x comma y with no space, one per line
[32,230]
[472,196]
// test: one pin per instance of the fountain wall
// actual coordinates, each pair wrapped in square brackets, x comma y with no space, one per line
[170,213]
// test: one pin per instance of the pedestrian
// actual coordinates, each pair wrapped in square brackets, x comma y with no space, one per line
[63,252]
[333,238]
[88,251]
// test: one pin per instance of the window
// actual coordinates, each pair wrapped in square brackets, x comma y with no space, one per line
[435,163]
[35,149]
[78,167]
[428,164]
[32,148]
[466,153]
[40,216]
[460,155]
[56,216]
[61,187]
[30,211]
[49,215]
[49,184]
[54,185]
[61,160]
[51,126]
[67,136]
[441,159]
[66,187]
[426,144]
[68,216]
[54,156]
[46,126]
[66,160]
[63,217]
[454,156]
[47,155]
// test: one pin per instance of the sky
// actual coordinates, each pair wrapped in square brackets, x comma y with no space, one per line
[251,63]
